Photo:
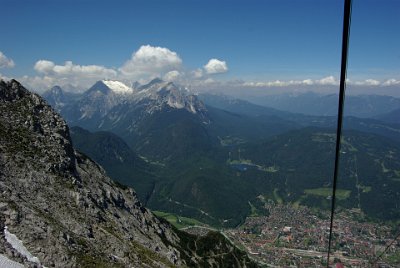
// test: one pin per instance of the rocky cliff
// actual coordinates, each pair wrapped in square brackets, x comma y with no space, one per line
[59,209]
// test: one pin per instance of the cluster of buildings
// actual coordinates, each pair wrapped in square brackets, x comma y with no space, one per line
[298,237]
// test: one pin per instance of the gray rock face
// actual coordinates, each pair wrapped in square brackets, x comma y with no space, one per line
[59,202]
[105,107]
[68,213]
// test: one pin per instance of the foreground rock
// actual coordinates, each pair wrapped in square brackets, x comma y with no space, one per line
[59,209]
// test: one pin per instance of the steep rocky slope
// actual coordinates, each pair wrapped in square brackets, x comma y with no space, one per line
[59,209]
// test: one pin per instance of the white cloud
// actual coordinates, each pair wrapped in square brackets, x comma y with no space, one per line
[391,82]
[308,82]
[209,81]
[146,63]
[367,82]
[151,61]
[172,76]
[215,66]
[326,81]
[279,83]
[39,83]
[70,69]
[6,62]
[372,82]
[198,73]
[329,80]
[80,76]
[44,66]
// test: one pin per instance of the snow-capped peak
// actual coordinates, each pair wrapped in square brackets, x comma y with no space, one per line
[117,87]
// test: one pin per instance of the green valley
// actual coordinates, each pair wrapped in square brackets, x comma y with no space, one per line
[217,187]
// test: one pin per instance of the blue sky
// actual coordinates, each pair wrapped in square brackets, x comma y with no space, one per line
[261,43]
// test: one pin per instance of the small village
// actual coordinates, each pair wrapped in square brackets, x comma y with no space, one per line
[298,237]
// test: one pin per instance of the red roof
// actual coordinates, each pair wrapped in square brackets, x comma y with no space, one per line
[339,265]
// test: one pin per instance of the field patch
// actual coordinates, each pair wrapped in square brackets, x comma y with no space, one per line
[341,194]
[178,221]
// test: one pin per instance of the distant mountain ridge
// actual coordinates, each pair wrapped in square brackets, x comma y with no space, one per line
[391,117]
[58,98]
[157,90]
[99,105]
[363,106]
[376,125]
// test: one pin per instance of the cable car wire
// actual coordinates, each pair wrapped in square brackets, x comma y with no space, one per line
[343,72]
[386,249]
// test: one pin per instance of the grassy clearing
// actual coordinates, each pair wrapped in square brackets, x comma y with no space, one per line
[253,210]
[299,201]
[365,189]
[277,197]
[394,258]
[323,137]
[241,161]
[228,141]
[384,169]
[271,169]
[178,221]
[341,194]
[347,146]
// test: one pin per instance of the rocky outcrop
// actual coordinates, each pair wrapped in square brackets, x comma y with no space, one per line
[67,213]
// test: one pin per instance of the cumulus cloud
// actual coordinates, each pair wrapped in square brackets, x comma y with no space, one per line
[367,82]
[39,83]
[279,83]
[80,76]
[325,81]
[151,61]
[6,62]
[198,73]
[329,80]
[308,82]
[147,62]
[372,82]
[215,66]
[68,69]
[209,81]
[391,82]
[44,66]
[172,76]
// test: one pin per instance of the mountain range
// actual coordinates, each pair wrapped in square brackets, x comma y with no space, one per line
[383,125]
[58,208]
[310,103]
[210,156]
[390,117]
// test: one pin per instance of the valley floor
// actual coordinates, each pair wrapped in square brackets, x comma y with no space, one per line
[298,237]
